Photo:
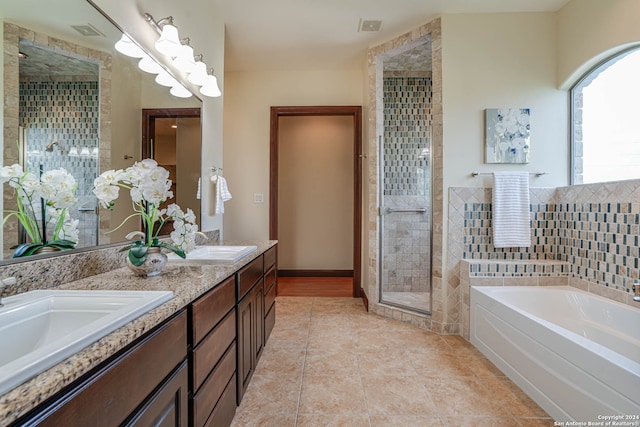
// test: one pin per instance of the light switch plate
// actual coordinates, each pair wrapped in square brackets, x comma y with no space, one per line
[258,198]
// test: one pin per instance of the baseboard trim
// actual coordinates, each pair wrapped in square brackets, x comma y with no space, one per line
[315,273]
[365,300]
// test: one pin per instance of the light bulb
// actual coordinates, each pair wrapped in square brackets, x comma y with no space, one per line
[127,47]
[147,64]
[199,74]
[169,43]
[184,59]
[210,87]
[180,91]
[166,79]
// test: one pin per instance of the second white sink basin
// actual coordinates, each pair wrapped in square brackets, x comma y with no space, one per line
[39,329]
[214,254]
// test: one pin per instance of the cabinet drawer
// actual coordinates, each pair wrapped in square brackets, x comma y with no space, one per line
[211,308]
[269,323]
[225,410]
[269,280]
[205,400]
[113,393]
[207,354]
[248,276]
[269,258]
[269,297]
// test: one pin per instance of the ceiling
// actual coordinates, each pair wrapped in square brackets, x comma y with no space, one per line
[323,34]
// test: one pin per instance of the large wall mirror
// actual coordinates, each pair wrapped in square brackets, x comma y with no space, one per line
[72,101]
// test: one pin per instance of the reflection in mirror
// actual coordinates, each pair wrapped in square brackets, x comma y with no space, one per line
[73,102]
[406,174]
[59,114]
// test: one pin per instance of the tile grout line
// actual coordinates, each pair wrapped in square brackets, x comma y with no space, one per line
[304,364]
[364,393]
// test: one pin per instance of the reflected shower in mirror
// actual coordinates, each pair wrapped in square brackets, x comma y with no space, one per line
[72,101]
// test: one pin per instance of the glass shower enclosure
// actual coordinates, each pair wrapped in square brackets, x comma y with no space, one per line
[405,197]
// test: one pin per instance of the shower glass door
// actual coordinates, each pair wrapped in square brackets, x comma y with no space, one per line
[406,180]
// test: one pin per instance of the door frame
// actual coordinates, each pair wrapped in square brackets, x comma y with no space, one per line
[149,116]
[352,111]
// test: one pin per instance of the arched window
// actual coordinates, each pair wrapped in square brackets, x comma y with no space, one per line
[605,116]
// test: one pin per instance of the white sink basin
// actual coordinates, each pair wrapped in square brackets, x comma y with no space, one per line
[39,329]
[214,254]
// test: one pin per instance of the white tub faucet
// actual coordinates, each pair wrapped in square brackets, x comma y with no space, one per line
[636,291]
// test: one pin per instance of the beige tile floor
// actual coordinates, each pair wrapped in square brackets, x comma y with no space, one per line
[329,363]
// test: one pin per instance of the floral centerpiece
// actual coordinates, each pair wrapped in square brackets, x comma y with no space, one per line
[149,186]
[43,204]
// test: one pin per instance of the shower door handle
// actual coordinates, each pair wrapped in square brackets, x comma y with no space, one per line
[409,210]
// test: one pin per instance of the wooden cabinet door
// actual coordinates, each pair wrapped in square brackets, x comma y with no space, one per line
[246,340]
[258,313]
[168,406]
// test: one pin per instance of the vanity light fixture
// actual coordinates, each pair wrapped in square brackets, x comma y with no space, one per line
[183,60]
[180,91]
[169,42]
[199,74]
[147,64]
[127,47]
[210,87]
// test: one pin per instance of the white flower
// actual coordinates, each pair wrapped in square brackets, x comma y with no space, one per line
[523,119]
[518,143]
[9,172]
[106,194]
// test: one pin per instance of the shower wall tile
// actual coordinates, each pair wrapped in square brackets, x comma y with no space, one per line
[58,115]
[407,135]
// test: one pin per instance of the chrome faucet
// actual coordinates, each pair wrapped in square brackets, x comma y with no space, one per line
[636,291]
[9,281]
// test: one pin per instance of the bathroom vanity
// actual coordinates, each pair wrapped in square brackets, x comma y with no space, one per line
[185,363]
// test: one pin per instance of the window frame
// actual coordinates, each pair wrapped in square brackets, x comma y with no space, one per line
[586,78]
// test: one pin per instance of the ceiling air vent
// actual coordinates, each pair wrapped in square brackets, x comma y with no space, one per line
[87,30]
[369,25]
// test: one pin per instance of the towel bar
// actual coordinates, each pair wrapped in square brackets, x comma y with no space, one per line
[537,174]
[414,210]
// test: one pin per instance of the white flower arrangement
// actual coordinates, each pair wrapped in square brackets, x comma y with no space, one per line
[43,203]
[149,186]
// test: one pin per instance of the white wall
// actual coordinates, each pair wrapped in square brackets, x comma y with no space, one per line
[315,193]
[201,22]
[495,61]
[590,31]
[249,96]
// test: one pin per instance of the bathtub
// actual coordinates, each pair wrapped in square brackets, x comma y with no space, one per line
[576,354]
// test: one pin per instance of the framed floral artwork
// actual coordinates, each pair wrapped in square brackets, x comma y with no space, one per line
[507,135]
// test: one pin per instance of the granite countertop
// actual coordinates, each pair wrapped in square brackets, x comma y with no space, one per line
[187,282]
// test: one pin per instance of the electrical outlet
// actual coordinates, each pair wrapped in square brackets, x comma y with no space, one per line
[258,198]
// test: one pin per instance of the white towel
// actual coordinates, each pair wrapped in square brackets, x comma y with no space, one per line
[511,221]
[222,194]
